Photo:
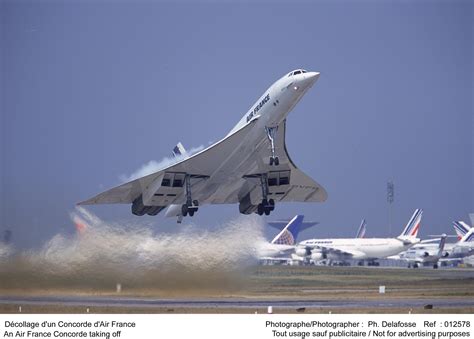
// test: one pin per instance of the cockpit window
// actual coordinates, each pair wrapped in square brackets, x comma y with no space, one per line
[299,71]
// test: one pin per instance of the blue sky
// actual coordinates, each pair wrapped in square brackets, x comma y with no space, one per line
[91,91]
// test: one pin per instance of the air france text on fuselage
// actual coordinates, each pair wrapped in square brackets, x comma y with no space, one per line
[258,107]
[319,242]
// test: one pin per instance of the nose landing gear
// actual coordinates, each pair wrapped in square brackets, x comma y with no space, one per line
[271,133]
[191,206]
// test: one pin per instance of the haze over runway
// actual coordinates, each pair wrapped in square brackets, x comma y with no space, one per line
[91,92]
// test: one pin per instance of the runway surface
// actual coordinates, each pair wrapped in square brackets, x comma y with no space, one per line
[285,288]
[234,302]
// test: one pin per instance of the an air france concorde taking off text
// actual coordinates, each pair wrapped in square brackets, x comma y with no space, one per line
[236,326]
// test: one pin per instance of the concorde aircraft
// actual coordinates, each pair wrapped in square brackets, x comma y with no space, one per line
[250,166]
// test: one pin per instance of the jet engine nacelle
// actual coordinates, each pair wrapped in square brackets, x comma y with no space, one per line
[302,252]
[462,250]
[318,256]
[140,209]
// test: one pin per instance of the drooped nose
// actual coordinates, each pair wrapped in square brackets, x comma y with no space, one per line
[312,77]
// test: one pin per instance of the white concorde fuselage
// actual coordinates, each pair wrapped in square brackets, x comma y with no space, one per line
[250,166]
[282,96]
[278,100]
[270,110]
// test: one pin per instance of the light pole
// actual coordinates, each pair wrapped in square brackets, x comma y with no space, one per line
[390,199]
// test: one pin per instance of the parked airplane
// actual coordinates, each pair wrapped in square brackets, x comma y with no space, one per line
[427,252]
[361,249]
[284,242]
[250,166]
[463,248]
[425,256]
[359,235]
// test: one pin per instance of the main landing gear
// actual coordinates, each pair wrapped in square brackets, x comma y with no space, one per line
[271,133]
[191,206]
[266,206]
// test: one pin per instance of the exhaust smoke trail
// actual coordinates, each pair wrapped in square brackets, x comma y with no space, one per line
[103,254]
[154,166]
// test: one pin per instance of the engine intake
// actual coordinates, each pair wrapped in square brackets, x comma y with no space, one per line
[303,251]
[138,208]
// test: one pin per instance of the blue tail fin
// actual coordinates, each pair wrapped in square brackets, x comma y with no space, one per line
[413,226]
[361,230]
[461,228]
[288,235]
[469,236]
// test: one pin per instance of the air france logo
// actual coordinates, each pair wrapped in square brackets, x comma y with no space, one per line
[258,107]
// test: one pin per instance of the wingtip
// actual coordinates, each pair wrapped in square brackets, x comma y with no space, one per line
[84,202]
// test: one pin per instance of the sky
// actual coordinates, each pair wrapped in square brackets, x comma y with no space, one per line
[92,91]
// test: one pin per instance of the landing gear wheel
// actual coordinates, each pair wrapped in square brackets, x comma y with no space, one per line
[184,210]
[435,266]
[260,209]
[195,203]
[276,161]
[272,204]
[191,213]
[267,211]
[271,161]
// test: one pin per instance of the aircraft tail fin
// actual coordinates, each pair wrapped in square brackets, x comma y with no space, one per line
[469,236]
[287,235]
[461,228]
[413,226]
[362,229]
[281,224]
[442,242]
[179,150]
